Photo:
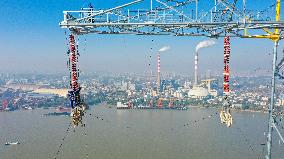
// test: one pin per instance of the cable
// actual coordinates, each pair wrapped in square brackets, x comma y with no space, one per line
[201,119]
[195,122]
[84,134]
[63,140]
[246,139]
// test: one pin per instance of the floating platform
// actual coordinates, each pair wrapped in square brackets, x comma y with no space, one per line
[58,114]
[159,108]
[63,109]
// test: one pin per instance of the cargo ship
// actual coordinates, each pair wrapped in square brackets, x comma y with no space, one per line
[125,106]
[63,109]
[58,114]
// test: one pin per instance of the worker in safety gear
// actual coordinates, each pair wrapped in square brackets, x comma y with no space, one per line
[222,116]
[229,118]
[76,115]
[226,117]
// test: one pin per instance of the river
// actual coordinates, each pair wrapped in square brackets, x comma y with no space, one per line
[136,134]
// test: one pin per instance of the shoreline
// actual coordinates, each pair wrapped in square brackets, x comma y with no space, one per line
[189,107]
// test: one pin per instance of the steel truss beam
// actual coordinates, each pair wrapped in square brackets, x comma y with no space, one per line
[222,19]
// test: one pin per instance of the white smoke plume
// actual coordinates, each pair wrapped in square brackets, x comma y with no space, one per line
[165,48]
[205,43]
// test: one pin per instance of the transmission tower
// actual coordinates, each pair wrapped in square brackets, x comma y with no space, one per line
[218,18]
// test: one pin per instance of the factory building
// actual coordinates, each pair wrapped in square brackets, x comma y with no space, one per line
[198,92]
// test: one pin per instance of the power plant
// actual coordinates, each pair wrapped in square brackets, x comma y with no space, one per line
[198,91]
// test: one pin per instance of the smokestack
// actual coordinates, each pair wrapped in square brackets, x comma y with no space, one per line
[202,44]
[163,49]
[159,72]
[196,69]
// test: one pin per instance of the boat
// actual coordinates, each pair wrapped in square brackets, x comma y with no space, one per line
[12,143]
[58,114]
[63,109]
[28,108]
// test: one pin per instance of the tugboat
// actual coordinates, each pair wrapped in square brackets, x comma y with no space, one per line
[12,143]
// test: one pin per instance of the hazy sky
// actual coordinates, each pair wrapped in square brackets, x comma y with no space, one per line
[31,40]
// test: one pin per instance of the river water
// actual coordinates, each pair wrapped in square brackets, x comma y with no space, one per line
[136,134]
